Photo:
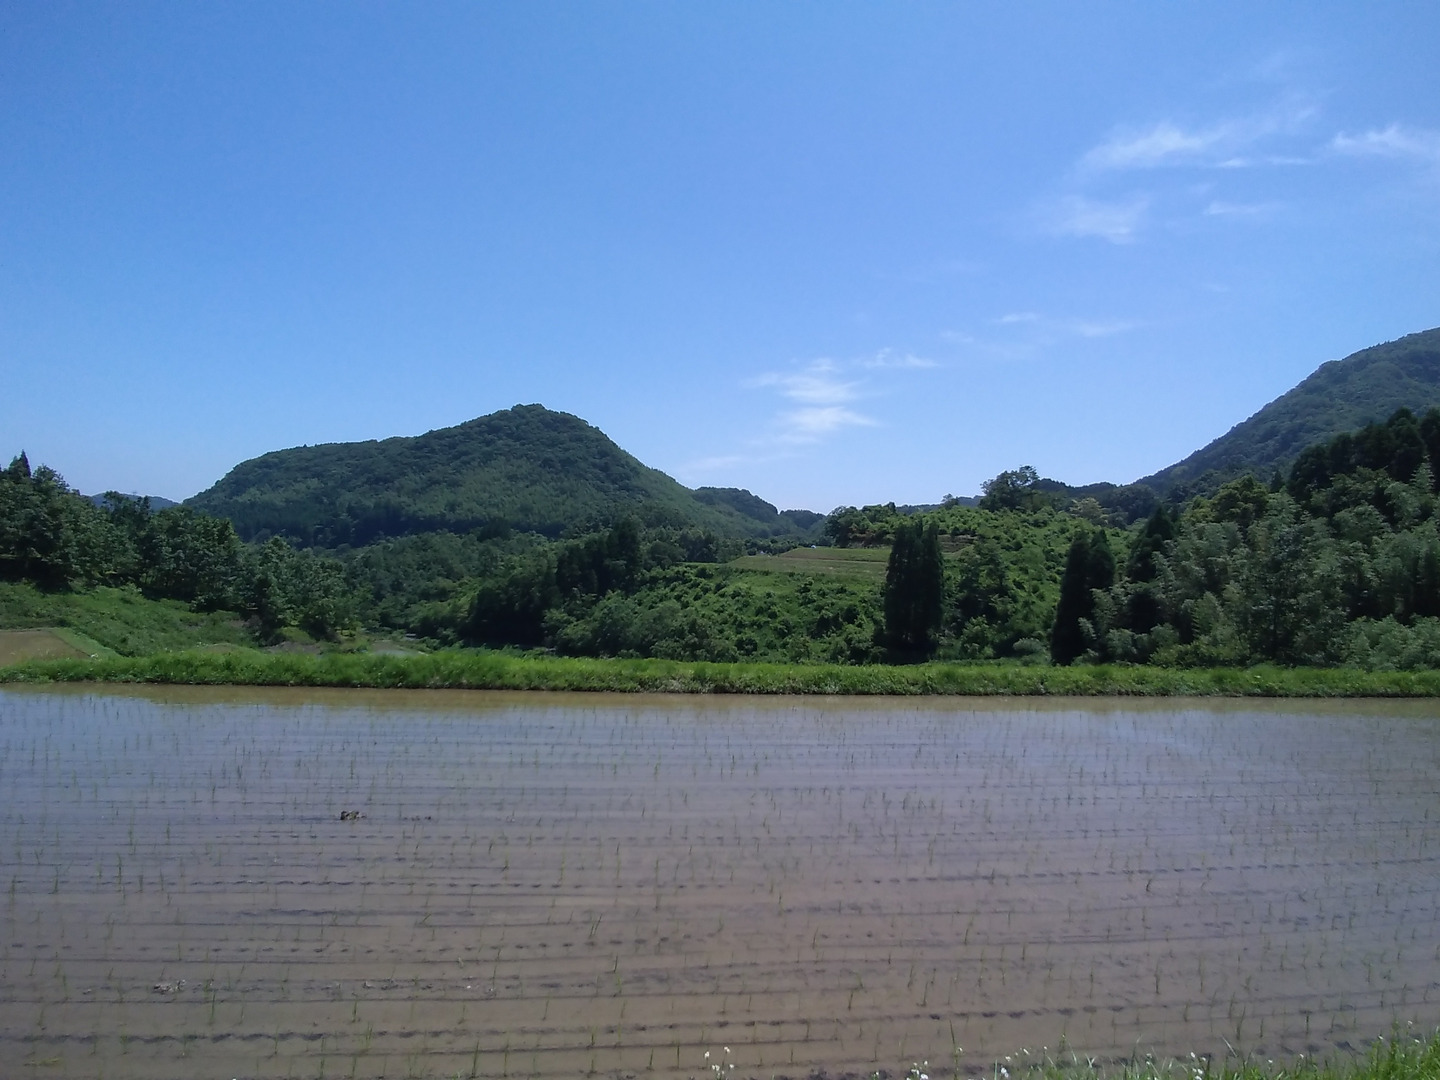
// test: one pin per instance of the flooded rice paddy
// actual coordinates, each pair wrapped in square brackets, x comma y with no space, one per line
[245,883]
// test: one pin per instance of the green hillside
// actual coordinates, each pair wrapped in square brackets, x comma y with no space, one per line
[110,621]
[1341,396]
[526,469]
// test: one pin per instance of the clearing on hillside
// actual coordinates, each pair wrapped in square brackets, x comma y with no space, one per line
[866,563]
[18,646]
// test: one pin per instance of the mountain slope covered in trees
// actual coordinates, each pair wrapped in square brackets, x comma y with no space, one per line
[1335,564]
[527,469]
[1342,395]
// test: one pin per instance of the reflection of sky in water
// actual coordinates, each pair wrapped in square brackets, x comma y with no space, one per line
[830,878]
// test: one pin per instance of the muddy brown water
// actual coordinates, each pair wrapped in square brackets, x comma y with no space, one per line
[567,885]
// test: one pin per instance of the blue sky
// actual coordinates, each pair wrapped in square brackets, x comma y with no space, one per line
[834,253]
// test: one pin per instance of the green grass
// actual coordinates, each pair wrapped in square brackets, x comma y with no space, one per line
[119,621]
[866,563]
[1397,1057]
[465,669]
[17,646]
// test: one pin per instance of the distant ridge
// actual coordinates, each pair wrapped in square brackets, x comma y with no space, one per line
[107,500]
[529,469]
[1340,396]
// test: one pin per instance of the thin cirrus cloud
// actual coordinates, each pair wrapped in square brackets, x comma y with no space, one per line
[1394,141]
[818,384]
[1221,208]
[1164,144]
[818,400]
[812,423]
[824,394]
[1260,139]
[1023,336]
[892,360]
[1046,329]
[1228,143]
[1101,328]
[1117,222]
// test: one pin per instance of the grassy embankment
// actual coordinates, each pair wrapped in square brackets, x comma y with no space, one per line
[117,635]
[108,621]
[1399,1057]
[466,669]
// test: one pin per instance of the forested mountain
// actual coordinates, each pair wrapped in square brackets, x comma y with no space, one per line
[1342,395]
[1335,563]
[526,469]
[531,529]
[757,509]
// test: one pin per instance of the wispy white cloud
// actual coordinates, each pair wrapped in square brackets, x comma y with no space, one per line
[825,393]
[1278,134]
[1101,328]
[1165,143]
[1264,160]
[1395,141]
[1116,222]
[1023,335]
[1226,143]
[814,423]
[1048,329]
[818,384]
[889,358]
[1221,208]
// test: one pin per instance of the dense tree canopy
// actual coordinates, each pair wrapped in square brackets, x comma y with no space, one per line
[58,539]
[1336,561]
[527,469]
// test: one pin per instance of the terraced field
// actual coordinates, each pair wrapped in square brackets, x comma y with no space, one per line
[866,563]
[17,646]
[268,883]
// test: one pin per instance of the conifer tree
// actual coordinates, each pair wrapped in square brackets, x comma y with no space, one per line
[1159,531]
[1089,565]
[914,588]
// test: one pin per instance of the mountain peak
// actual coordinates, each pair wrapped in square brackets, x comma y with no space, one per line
[1339,396]
[527,468]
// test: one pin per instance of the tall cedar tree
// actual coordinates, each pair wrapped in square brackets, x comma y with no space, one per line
[1143,611]
[1089,565]
[914,588]
[1158,532]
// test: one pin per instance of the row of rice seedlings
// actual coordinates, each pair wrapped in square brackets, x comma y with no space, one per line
[640,812]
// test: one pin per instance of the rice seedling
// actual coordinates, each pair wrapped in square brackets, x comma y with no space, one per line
[846,885]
